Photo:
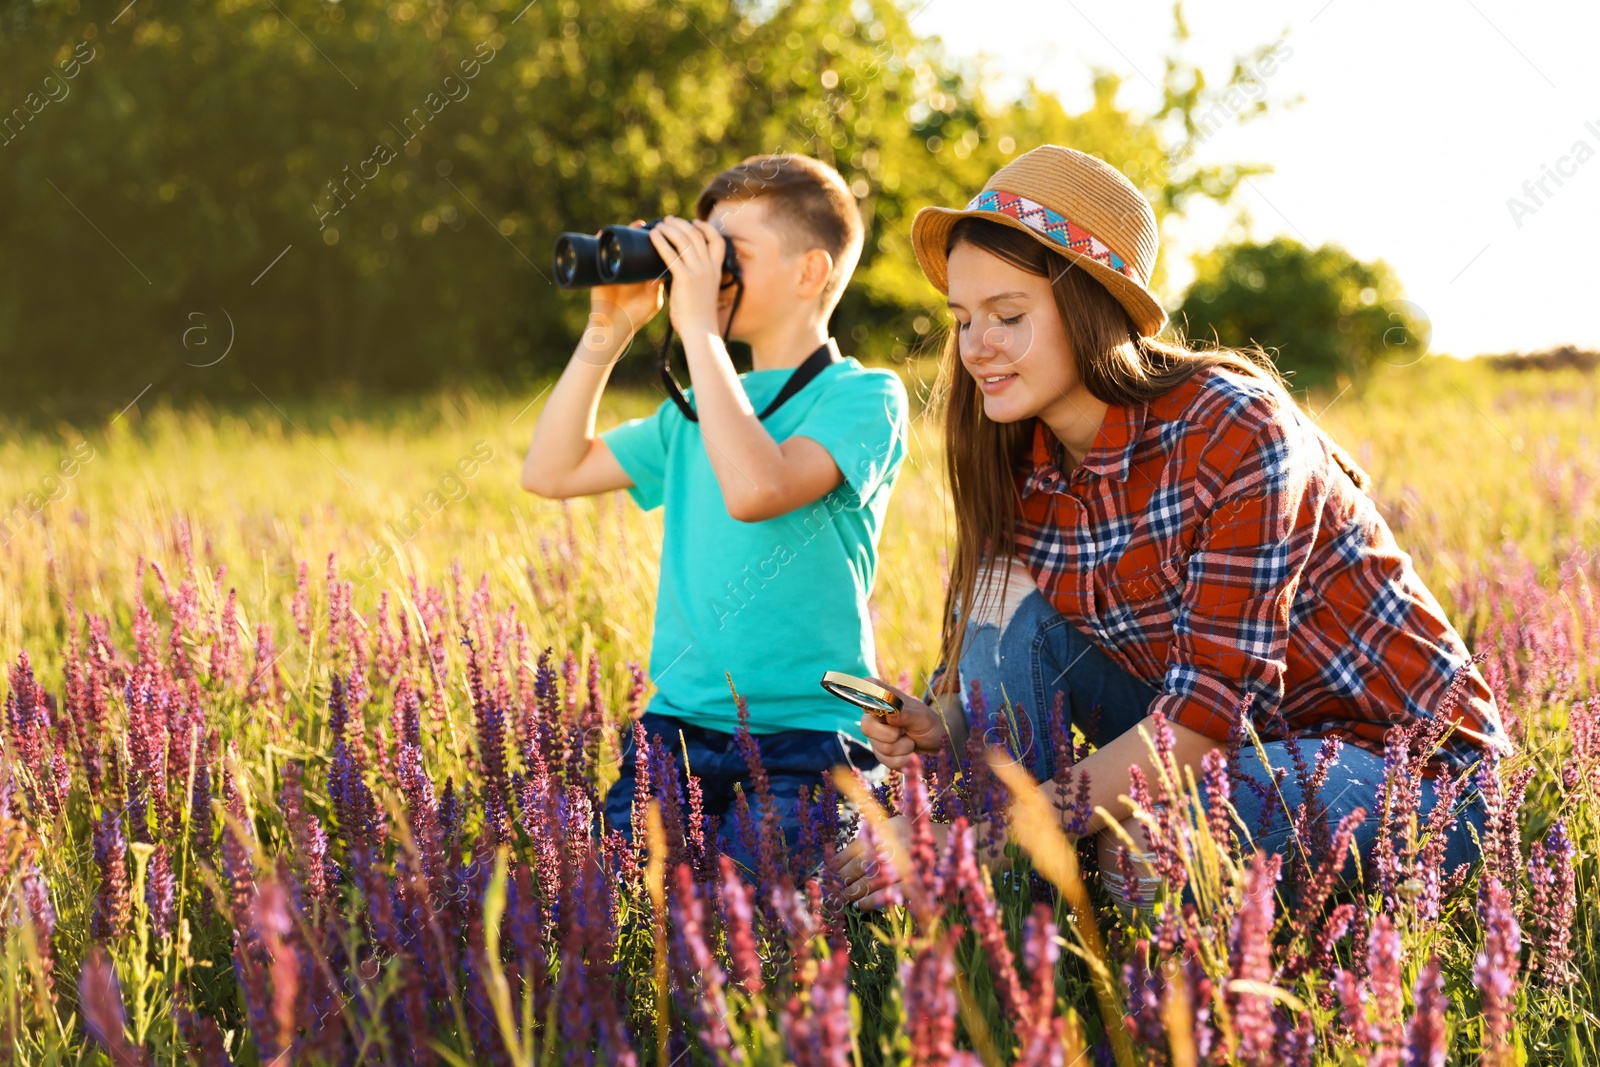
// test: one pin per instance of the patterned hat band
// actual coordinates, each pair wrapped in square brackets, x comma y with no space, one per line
[1058,228]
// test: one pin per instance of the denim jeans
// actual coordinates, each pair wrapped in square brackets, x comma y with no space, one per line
[1040,653]
[793,759]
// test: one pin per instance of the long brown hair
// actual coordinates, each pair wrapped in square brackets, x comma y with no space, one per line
[1115,363]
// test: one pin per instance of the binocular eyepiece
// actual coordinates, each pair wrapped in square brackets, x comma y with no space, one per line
[620,255]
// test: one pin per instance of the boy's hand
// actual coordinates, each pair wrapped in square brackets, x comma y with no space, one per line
[617,312]
[694,253]
[914,728]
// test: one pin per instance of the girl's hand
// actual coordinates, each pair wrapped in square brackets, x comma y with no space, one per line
[694,253]
[914,728]
[617,312]
[867,876]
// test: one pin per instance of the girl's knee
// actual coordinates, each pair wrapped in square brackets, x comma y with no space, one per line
[1132,884]
[1109,843]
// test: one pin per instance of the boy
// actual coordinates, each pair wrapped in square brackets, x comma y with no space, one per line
[772,516]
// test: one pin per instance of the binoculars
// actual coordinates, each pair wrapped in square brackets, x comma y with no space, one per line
[620,255]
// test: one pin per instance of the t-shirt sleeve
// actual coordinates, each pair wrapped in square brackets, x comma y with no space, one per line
[640,446]
[862,421]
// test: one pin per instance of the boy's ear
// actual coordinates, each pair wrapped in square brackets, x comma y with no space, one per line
[815,268]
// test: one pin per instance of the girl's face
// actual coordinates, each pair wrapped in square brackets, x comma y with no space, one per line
[1011,338]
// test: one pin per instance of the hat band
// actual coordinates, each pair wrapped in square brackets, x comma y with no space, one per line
[1057,227]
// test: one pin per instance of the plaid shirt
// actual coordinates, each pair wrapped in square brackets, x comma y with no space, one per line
[1212,544]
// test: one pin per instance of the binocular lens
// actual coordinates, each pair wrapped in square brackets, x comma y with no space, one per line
[621,255]
[626,255]
[610,258]
[575,261]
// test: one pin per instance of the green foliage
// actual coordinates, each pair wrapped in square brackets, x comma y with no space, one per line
[340,196]
[1328,316]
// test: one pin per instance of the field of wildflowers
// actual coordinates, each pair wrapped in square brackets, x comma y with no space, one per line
[305,735]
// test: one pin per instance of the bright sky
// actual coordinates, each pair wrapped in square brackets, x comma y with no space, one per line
[1419,122]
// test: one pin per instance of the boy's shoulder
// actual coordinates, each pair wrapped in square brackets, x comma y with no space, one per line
[841,391]
[851,375]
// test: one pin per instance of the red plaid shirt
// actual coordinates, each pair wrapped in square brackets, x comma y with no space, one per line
[1212,544]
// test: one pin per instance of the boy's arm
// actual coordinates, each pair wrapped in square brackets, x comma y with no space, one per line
[565,458]
[759,477]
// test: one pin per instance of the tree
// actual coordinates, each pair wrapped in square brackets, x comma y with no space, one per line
[368,196]
[1326,315]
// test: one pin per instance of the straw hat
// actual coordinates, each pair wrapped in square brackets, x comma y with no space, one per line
[1074,204]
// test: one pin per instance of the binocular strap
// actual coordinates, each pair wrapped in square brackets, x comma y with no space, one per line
[814,365]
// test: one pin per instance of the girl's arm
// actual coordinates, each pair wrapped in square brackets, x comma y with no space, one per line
[1108,768]
[1109,781]
[916,727]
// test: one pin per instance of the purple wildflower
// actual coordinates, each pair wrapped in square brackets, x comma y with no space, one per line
[1144,1008]
[202,1035]
[1251,956]
[821,1037]
[1315,893]
[41,914]
[1495,969]
[710,1004]
[927,982]
[984,913]
[100,997]
[1219,794]
[301,605]
[1552,905]
[1425,1038]
[1040,1030]
[636,687]
[924,892]
[112,909]
[741,930]
[1388,991]
[491,722]
[770,839]
[160,890]
[201,826]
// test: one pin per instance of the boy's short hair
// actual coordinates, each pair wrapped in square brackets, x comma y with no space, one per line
[809,198]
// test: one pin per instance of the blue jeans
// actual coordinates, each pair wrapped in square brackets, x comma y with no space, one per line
[793,759]
[1041,653]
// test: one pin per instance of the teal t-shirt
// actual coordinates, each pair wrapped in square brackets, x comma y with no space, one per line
[773,603]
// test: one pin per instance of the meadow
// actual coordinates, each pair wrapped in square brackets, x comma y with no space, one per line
[309,706]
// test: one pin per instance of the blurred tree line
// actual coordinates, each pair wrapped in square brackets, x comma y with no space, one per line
[1326,317]
[241,198]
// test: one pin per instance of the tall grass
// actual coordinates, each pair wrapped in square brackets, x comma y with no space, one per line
[288,777]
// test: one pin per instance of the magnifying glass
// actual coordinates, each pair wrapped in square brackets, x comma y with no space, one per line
[870,696]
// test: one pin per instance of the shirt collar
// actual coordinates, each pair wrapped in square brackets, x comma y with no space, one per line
[1111,455]
[834,356]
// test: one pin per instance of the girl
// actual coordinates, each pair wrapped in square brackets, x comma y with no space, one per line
[1142,528]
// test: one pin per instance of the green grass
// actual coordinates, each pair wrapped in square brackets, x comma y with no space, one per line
[1465,461]
[1478,473]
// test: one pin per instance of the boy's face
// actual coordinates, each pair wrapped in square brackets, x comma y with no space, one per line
[773,263]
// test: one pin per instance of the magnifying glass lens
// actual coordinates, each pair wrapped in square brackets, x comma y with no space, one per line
[861,693]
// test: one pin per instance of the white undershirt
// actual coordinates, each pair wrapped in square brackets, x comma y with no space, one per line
[1001,587]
